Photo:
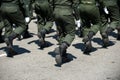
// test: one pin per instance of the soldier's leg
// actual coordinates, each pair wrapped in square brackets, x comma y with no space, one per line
[18,19]
[31,6]
[46,14]
[104,25]
[88,45]
[114,17]
[104,34]
[8,38]
[49,18]
[86,37]
[118,27]
[1,37]
[45,22]
[86,30]
[67,25]
[61,55]
[68,28]
[48,26]
[60,34]
[26,33]
[95,20]
[96,23]
[118,33]
[1,27]
[41,31]
[48,11]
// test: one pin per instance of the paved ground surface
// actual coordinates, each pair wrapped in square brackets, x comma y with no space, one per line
[35,64]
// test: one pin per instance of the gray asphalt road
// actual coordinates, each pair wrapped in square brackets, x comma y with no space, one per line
[35,64]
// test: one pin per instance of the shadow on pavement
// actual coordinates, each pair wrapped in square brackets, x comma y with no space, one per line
[81,46]
[20,50]
[53,36]
[47,44]
[17,49]
[100,42]
[113,34]
[2,48]
[69,56]
[51,31]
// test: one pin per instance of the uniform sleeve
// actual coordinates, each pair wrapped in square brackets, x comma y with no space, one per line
[24,7]
[0,3]
[75,2]
[100,2]
[75,8]
[51,3]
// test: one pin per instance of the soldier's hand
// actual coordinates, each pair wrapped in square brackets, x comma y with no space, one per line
[106,10]
[77,23]
[27,19]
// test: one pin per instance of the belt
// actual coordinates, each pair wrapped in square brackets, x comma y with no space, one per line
[58,5]
[87,2]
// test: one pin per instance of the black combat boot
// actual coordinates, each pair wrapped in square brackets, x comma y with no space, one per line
[88,37]
[61,53]
[105,40]
[9,42]
[80,32]
[41,36]
[19,37]
[1,39]
[109,30]
[118,34]
[65,58]
[87,42]
[88,47]
[26,33]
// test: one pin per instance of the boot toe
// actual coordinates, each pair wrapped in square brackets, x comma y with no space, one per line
[58,57]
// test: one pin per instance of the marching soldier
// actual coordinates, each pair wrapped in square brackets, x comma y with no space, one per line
[44,12]
[114,15]
[104,23]
[12,14]
[90,17]
[64,19]
[26,33]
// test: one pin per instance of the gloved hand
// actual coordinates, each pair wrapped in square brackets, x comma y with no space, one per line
[106,10]
[77,22]
[27,19]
